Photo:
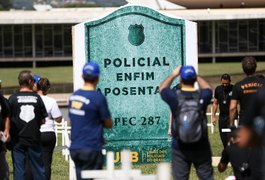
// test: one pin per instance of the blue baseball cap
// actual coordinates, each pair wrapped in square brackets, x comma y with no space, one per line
[188,73]
[91,69]
[36,78]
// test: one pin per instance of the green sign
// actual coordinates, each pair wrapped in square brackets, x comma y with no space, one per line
[136,48]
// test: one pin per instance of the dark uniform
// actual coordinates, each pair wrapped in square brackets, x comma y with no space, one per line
[27,112]
[223,96]
[255,119]
[245,162]
[244,90]
[4,113]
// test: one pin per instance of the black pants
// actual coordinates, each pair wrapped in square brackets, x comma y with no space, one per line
[182,161]
[86,159]
[48,140]
[224,123]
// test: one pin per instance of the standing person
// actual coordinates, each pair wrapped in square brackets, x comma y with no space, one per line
[36,79]
[48,138]
[29,175]
[89,114]
[177,87]
[244,90]
[189,146]
[252,130]
[27,114]
[246,162]
[4,136]
[222,97]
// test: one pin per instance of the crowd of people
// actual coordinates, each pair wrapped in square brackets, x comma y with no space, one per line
[243,142]
[27,124]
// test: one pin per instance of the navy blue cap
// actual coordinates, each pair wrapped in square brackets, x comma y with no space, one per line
[188,73]
[91,69]
[36,78]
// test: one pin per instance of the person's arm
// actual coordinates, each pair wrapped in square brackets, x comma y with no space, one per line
[56,113]
[232,111]
[223,161]
[203,84]
[105,113]
[43,111]
[168,81]
[170,125]
[107,123]
[6,114]
[214,110]
[58,119]
[7,129]
[42,121]
[222,167]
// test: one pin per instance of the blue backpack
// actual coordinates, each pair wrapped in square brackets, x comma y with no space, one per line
[190,121]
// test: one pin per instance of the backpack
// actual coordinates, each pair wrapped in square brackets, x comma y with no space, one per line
[190,121]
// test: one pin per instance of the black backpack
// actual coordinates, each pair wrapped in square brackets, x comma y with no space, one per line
[190,121]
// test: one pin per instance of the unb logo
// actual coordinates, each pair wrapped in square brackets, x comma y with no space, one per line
[136,34]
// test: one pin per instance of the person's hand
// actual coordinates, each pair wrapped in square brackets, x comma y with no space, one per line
[169,132]
[176,71]
[214,120]
[7,135]
[244,137]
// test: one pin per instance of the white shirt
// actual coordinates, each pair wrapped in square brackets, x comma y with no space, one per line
[53,112]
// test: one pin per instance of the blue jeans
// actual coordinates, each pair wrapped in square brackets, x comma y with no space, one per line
[19,153]
[85,159]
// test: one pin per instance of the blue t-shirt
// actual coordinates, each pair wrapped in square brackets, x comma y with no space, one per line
[171,98]
[87,111]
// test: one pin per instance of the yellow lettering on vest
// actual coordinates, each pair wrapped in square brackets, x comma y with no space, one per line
[76,104]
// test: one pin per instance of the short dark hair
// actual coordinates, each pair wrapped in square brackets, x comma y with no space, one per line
[90,79]
[226,77]
[44,85]
[188,82]
[249,65]
[25,78]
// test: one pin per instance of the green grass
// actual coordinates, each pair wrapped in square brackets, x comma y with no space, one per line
[55,74]
[60,167]
[210,69]
[65,74]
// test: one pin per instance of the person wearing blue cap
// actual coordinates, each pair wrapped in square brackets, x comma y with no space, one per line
[89,114]
[36,79]
[190,144]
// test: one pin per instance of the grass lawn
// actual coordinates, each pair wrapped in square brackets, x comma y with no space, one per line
[65,74]
[55,74]
[210,69]
[60,167]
